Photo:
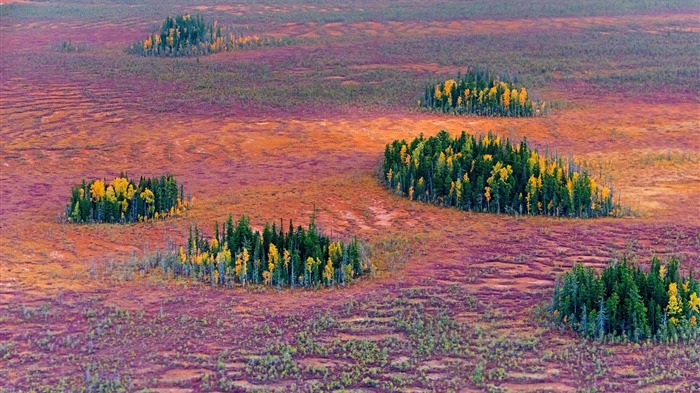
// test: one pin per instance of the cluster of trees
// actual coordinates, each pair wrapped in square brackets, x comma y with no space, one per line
[185,35]
[624,301]
[124,201]
[238,255]
[69,46]
[487,174]
[481,93]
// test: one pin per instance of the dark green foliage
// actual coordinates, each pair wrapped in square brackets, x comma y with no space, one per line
[487,174]
[481,93]
[123,201]
[625,301]
[238,255]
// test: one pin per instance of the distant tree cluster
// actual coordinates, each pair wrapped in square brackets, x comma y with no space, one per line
[481,93]
[185,35]
[624,301]
[123,201]
[238,255]
[486,174]
[69,46]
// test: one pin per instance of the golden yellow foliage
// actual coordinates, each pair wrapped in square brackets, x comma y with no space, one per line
[449,84]
[437,93]
[349,272]
[309,264]
[273,257]
[109,194]
[504,173]
[238,265]
[97,189]
[287,257]
[675,303]
[328,271]
[694,302]
[120,185]
[146,195]
[505,98]
[224,256]
[522,96]
[335,251]
[492,92]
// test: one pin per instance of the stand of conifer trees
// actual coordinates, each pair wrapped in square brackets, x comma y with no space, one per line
[237,255]
[185,35]
[481,93]
[486,174]
[123,201]
[625,301]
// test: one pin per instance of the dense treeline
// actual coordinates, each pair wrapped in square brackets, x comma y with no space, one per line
[481,93]
[238,255]
[624,301]
[185,35]
[123,201]
[490,175]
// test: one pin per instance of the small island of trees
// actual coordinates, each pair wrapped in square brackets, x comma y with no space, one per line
[237,255]
[481,93]
[185,35]
[123,201]
[626,302]
[487,174]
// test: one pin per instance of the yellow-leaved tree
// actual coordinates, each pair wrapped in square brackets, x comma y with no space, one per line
[243,274]
[120,185]
[308,271]
[675,304]
[694,306]
[328,272]
[97,189]
[149,199]
[273,258]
